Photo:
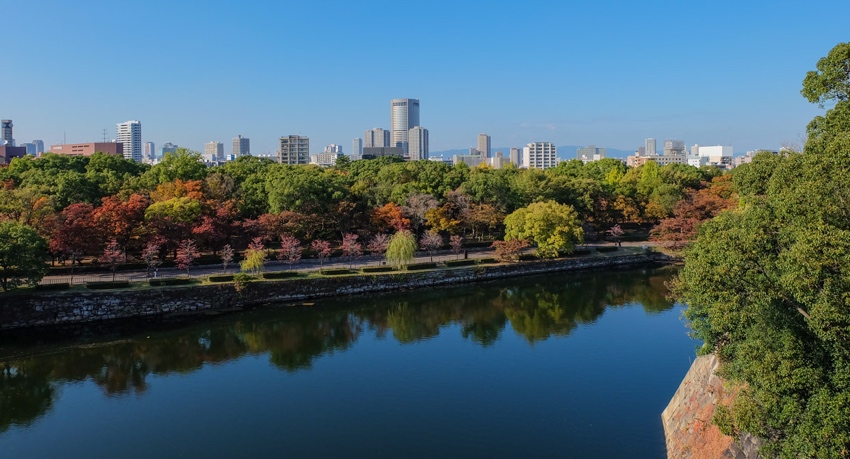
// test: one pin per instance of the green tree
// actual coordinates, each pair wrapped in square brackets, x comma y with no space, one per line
[183,165]
[22,255]
[552,227]
[401,249]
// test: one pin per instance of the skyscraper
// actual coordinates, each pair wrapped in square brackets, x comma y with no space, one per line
[674,147]
[214,151]
[404,115]
[514,157]
[6,135]
[294,149]
[357,148]
[167,148]
[418,143]
[484,145]
[39,146]
[540,155]
[150,151]
[241,146]
[376,138]
[650,147]
[130,135]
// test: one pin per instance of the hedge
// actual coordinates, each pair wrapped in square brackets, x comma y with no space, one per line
[377,269]
[454,263]
[280,275]
[171,281]
[335,272]
[50,287]
[528,257]
[421,266]
[487,261]
[107,285]
[221,278]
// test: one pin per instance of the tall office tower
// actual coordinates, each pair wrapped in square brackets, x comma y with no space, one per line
[333,148]
[294,149]
[540,155]
[167,148]
[357,148]
[214,151]
[417,143]
[404,116]
[150,151]
[30,148]
[376,138]
[484,145]
[130,134]
[674,147]
[241,146]
[649,149]
[6,137]
[39,146]
[514,156]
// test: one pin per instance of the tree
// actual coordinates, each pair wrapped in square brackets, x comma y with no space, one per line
[113,256]
[615,233]
[150,254]
[509,250]
[552,227]
[351,248]
[322,249]
[226,257]
[290,250]
[390,216]
[255,257]
[456,243]
[22,255]
[831,80]
[73,233]
[431,242]
[187,253]
[378,244]
[401,249]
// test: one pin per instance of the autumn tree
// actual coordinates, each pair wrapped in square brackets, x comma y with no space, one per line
[22,255]
[378,244]
[226,255]
[390,216]
[351,249]
[552,227]
[73,234]
[509,250]
[456,243]
[615,233]
[290,250]
[150,255]
[431,242]
[322,248]
[113,256]
[187,253]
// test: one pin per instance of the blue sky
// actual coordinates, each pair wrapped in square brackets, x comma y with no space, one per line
[609,73]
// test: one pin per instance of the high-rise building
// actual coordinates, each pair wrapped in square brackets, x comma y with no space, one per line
[404,115]
[417,143]
[6,135]
[674,147]
[39,146]
[515,157]
[130,134]
[484,145]
[167,148]
[591,153]
[649,148]
[377,137]
[150,151]
[540,155]
[294,149]
[214,151]
[241,146]
[333,148]
[357,148]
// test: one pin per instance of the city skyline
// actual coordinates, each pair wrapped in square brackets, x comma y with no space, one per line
[739,86]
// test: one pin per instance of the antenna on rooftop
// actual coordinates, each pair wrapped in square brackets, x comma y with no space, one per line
[105,135]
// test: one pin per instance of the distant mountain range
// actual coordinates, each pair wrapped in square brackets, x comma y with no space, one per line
[565,152]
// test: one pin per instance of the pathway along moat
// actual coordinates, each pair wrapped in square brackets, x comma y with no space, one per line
[566,365]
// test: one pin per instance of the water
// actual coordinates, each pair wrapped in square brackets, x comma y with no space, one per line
[572,365]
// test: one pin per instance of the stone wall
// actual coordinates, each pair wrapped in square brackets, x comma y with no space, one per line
[56,308]
[687,418]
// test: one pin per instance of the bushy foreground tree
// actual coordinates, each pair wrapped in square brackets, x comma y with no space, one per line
[22,255]
[552,227]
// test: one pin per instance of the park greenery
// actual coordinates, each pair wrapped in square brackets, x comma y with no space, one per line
[79,208]
[768,284]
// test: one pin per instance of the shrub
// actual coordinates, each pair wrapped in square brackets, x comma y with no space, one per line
[456,263]
[487,261]
[171,281]
[223,278]
[377,269]
[107,285]
[421,266]
[51,287]
[280,275]
[240,281]
[335,272]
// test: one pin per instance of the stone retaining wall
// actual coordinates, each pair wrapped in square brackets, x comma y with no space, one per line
[56,308]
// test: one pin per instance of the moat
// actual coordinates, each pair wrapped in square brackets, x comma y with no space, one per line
[561,365]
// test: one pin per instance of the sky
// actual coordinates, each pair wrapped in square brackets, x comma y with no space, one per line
[607,73]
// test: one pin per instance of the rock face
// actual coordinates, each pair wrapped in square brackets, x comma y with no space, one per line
[687,418]
[47,309]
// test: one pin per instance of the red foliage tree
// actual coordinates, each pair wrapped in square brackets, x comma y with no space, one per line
[290,250]
[689,213]
[509,250]
[113,256]
[73,233]
[187,253]
[390,216]
[351,249]
[456,243]
[151,256]
[431,242]
[226,257]
[615,233]
[322,249]
[120,220]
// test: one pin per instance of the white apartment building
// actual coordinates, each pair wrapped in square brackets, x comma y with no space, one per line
[130,135]
[214,151]
[294,149]
[540,155]
[326,159]
[404,116]
[417,143]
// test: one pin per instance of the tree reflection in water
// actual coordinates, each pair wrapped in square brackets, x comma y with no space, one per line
[536,307]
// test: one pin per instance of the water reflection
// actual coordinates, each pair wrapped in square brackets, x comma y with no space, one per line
[537,308]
